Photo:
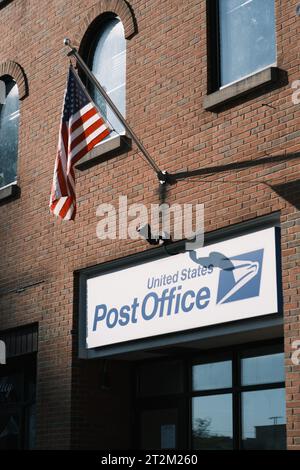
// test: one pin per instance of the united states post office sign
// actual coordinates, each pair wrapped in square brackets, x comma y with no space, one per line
[227,281]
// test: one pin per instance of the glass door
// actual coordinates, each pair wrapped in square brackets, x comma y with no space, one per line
[159,429]
[161,412]
[162,426]
[10,428]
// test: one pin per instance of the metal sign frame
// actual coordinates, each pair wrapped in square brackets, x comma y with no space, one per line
[169,339]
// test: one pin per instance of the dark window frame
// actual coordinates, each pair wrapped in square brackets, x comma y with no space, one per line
[3,3]
[237,388]
[213,46]
[26,367]
[184,399]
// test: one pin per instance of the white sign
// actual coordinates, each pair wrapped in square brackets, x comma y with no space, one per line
[223,282]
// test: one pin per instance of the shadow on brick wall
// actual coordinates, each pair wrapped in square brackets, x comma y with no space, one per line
[238,166]
[289,191]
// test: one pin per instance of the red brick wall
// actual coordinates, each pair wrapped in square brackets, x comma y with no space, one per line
[166,84]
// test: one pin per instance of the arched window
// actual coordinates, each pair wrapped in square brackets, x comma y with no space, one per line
[9,130]
[108,62]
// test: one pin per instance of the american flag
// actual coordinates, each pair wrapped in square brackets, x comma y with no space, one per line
[81,128]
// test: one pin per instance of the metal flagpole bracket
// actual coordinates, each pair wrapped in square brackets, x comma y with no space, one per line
[166,178]
[163,176]
[67,43]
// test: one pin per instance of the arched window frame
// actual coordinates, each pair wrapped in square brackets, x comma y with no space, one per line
[101,29]
[9,129]
[15,72]
[103,11]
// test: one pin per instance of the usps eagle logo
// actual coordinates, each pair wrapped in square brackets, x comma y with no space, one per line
[240,278]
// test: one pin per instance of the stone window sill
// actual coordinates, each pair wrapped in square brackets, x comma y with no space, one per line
[227,95]
[109,148]
[11,191]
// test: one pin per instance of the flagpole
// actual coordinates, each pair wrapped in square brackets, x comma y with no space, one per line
[162,175]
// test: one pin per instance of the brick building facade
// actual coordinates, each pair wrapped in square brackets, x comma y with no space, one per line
[243,139]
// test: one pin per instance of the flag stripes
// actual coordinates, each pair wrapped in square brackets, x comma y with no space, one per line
[82,127]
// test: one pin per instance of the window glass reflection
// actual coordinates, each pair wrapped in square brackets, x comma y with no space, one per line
[263,417]
[212,422]
[263,369]
[9,126]
[11,389]
[211,376]
[109,66]
[247,37]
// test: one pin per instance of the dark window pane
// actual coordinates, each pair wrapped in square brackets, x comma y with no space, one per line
[263,369]
[247,37]
[9,127]
[11,389]
[161,378]
[212,422]
[263,414]
[211,376]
